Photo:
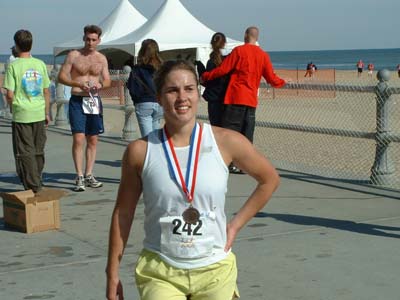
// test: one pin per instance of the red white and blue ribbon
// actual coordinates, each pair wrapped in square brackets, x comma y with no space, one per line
[189,182]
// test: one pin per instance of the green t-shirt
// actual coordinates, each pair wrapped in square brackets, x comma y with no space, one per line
[27,77]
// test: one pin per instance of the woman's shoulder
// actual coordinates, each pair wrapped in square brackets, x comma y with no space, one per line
[138,144]
[226,137]
[135,152]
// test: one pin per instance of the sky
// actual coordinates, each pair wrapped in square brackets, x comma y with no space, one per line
[285,25]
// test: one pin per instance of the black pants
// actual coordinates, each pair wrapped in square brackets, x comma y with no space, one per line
[215,112]
[28,145]
[240,118]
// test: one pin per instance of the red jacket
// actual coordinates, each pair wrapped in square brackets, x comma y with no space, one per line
[246,64]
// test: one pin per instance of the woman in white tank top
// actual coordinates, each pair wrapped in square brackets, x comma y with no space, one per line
[181,171]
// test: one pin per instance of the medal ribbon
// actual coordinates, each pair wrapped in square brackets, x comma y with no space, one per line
[188,184]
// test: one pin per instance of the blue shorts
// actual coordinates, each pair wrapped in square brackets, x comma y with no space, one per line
[81,122]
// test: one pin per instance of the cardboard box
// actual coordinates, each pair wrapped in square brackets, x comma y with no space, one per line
[29,213]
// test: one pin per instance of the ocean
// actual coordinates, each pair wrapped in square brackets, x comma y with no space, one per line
[324,59]
[336,59]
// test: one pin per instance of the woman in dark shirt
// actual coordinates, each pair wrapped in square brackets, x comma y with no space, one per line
[214,92]
[141,88]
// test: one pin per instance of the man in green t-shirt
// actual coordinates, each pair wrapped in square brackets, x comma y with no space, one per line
[27,83]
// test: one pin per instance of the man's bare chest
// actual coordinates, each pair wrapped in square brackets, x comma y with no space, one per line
[87,66]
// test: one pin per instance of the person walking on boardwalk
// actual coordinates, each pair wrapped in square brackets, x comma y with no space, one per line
[188,240]
[86,71]
[141,87]
[27,92]
[246,64]
[214,92]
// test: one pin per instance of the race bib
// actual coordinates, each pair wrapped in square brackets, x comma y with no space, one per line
[91,105]
[183,240]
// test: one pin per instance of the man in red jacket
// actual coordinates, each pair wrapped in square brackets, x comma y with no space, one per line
[246,64]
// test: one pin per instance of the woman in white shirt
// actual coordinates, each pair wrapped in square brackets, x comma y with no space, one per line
[182,172]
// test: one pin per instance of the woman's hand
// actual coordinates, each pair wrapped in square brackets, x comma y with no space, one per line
[115,290]
[231,233]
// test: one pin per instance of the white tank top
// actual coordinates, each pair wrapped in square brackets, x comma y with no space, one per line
[165,200]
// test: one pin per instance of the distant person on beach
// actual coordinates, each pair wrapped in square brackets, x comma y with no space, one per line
[142,90]
[86,71]
[310,69]
[215,89]
[27,83]
[246,64]
[370,68]
[398,70]
[187,248]
[360,67]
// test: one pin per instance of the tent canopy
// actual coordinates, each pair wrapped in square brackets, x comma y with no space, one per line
[176,31]
[122,20]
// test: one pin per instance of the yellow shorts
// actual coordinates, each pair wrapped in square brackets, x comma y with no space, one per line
[157,280]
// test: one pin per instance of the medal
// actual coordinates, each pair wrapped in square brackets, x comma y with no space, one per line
[191,215]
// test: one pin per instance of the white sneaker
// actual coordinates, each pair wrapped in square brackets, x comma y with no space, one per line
[79,184]
[91,181]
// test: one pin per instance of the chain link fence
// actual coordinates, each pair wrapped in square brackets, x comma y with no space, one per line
[333,125]
[116,93]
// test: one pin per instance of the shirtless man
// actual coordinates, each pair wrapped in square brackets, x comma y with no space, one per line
[86,71]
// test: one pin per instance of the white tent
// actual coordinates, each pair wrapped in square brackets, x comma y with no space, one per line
[176,31]
[124,19]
